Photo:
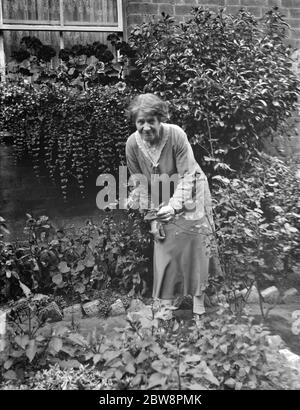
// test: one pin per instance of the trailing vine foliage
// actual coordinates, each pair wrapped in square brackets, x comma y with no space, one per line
[69,121]
[71,137]
[228,79]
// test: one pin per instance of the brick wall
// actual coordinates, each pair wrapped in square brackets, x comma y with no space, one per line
[137,11]
[21,193]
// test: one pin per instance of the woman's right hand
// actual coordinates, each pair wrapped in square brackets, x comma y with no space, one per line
[165,214]
[157,231]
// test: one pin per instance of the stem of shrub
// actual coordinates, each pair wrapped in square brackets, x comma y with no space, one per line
[260,299]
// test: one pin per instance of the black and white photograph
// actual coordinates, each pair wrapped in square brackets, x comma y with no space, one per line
[149,199]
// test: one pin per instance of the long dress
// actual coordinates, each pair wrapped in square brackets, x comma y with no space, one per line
[184,260]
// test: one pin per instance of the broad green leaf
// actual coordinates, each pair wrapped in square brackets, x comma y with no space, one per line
[61,330]
[136,381]
[130,368]
[193,358]
[141,357]
[90,262]
[57,279]
[80,267]
[77,339]
[22,341]
[110,355]
[118,374]
[161,367]
[224,348]
[196,386]
[156,379]
[208,374]
[8,364]
[25,289]
[56,344]
[10,375]
[63,267]
[249,233]
[226,367]
[79,287]
[31,350]
[69,364]
[3,323]
[97,358]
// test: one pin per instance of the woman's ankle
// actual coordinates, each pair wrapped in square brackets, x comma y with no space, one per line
[167,302]
[198,304]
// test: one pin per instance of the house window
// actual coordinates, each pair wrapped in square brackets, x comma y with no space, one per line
[99,14]
[57,22]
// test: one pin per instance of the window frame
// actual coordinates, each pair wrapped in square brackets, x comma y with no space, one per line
[61,28]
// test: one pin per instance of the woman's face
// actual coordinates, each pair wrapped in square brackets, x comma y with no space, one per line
[148,126]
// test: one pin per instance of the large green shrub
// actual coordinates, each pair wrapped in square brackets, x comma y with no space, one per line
[228,79]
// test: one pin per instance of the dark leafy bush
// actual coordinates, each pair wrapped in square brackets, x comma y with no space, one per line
[46,53]
[258,222]
[33,44]
[228,79]
[30,64]
[75,264]
[21,55]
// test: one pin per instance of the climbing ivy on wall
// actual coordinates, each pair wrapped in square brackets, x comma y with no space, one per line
[70,136]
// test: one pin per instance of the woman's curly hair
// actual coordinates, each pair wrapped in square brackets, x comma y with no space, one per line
[149,104]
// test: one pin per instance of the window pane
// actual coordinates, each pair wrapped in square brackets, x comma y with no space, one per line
[31,11]
[86,37]
[76,12]
[91,12]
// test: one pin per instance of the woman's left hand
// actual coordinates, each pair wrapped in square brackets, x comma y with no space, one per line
[165,214]
[157,231]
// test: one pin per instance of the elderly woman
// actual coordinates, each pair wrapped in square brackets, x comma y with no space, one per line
[183,225]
